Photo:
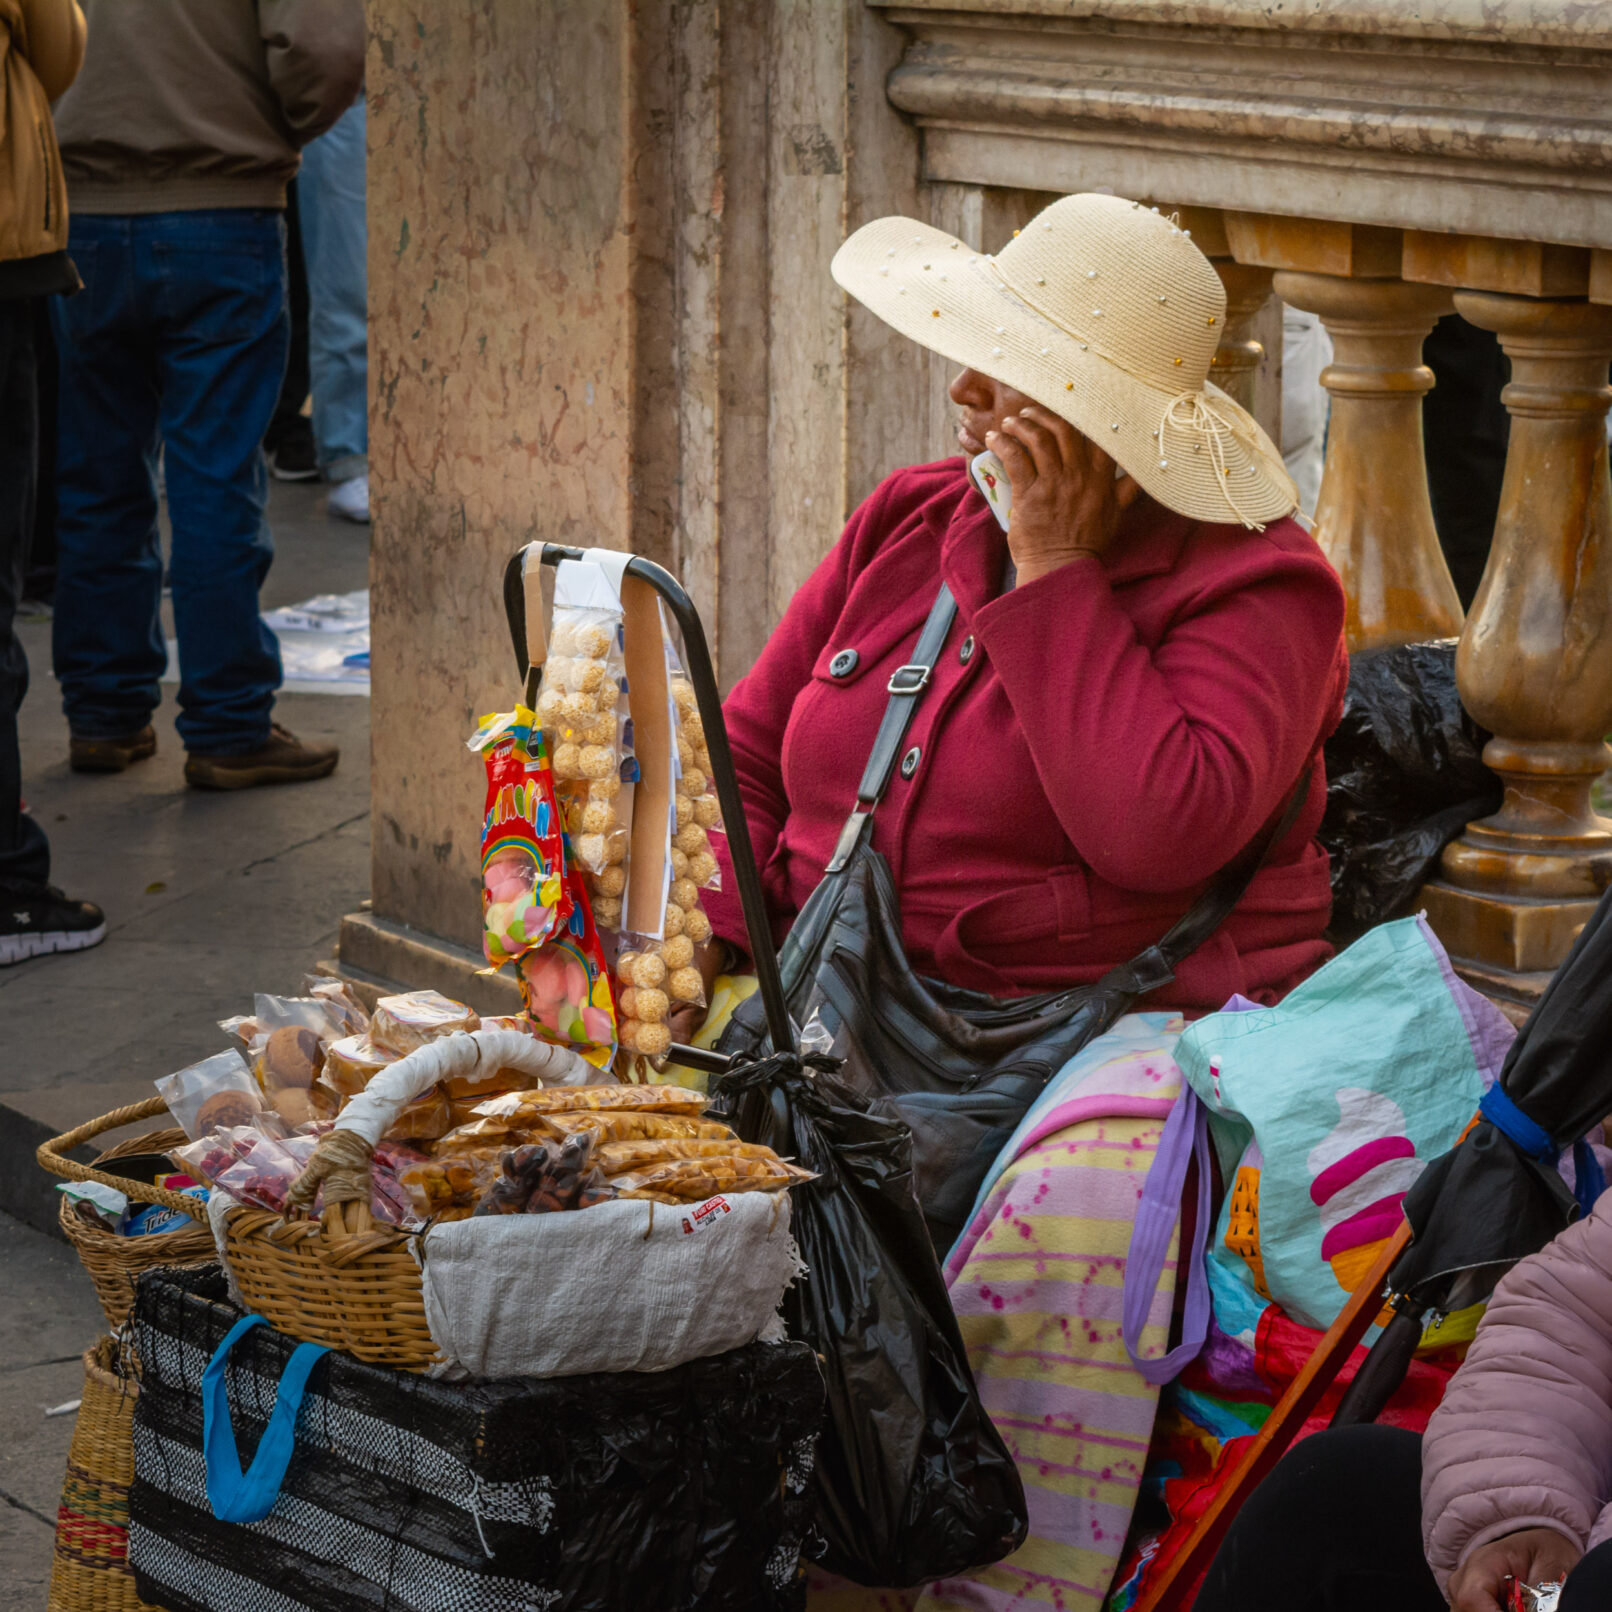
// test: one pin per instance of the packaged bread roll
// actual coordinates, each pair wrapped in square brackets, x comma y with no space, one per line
[402,1024]
[354,1061]
[292,1056]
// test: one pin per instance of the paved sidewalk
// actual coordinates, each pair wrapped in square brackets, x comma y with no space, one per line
[49,1318]
[208,897]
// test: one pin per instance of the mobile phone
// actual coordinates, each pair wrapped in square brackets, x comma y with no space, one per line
[994,486]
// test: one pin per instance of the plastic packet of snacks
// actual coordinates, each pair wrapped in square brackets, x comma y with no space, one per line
[523,893]
[566,984]
[583,711]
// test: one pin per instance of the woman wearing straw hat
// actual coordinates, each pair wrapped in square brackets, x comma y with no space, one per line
[1139,671]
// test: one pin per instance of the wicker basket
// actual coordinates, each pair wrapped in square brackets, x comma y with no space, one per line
[340,1280]
[91,1568]
[115,1262]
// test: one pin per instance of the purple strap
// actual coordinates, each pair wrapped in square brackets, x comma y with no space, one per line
[1186,1137]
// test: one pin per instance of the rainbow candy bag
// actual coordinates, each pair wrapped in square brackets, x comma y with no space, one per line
[524,895]
[566,981]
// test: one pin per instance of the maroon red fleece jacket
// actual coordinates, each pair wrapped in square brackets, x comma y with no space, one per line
[1095,744]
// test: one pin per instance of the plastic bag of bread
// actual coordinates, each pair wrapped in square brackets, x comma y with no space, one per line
[354,1061]
[215,1094]
[616,1157]
[523,895]
[424,1120]
[564,1099]
[403,1023]
[632,1125]
[694,1180]
[288,1064]
[566,984]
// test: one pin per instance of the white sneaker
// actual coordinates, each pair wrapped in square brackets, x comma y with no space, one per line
[350,499]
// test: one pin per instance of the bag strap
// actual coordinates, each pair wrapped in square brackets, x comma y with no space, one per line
[249,1497]
[907,686]
[1185,1140]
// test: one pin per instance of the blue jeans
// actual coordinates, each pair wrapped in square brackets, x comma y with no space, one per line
[179,339]
[330,207]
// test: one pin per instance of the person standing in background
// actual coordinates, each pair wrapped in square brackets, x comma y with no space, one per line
[330,198]
[178,140]
[41,50]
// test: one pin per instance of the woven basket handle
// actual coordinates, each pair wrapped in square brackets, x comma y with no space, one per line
[52,1157]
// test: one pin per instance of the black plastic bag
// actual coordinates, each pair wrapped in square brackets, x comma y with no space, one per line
[912,1481]
[686,1490]
[1405,775]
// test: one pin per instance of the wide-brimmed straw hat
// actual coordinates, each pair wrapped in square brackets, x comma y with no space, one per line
[1102,311]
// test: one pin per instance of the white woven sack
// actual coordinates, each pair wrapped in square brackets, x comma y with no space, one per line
[623,1286]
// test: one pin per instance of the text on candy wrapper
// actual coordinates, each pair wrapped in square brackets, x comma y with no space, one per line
[706,1214]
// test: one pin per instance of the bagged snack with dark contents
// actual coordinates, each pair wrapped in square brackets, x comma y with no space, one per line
[546,1177]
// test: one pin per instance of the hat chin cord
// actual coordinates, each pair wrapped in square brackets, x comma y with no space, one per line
[1196,413]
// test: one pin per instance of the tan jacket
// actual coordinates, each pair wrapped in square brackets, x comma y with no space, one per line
[41,47]
[190,104]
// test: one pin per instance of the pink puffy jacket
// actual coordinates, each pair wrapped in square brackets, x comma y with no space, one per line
[1523,1438]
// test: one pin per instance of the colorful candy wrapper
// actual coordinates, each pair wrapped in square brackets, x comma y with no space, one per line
[523,890]
[1533,1597]
[566,982]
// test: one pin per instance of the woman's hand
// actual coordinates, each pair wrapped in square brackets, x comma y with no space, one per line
[685,1022]
[1533,1555]
[1065,498]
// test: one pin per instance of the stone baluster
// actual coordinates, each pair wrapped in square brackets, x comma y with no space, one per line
[1373,519]
[1235,366]
[1535,664]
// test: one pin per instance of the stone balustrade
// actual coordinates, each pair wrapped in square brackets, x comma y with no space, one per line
[602,313]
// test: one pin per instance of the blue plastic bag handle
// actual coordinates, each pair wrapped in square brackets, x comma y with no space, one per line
[249,1497]
[1185,1139]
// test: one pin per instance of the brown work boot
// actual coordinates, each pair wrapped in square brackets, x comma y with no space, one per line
[86,754]
[285,759]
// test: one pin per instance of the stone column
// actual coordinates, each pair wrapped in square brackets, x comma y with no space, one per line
[1373,519]
[601,313]
[1535,664]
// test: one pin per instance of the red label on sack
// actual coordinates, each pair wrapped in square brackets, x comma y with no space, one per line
[706,1214]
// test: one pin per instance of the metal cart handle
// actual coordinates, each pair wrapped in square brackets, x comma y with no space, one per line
[741,854]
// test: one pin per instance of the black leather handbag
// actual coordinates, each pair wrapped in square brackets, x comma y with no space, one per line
[959,1067]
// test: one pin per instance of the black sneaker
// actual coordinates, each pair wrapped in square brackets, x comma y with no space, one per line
[293,457]
[34,926]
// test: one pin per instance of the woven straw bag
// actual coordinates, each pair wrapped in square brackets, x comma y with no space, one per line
[340,1280]
[91,1568]
[113,1261]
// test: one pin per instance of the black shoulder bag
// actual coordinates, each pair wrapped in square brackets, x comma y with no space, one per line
[959,1067]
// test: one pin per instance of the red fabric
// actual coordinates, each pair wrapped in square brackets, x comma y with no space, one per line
[1121,730]
[1191,1466]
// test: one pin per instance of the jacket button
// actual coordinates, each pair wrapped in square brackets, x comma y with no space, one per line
[909,762]
[966,652]
[843,663]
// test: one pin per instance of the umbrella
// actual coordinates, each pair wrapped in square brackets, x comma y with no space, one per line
[1497,1197]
